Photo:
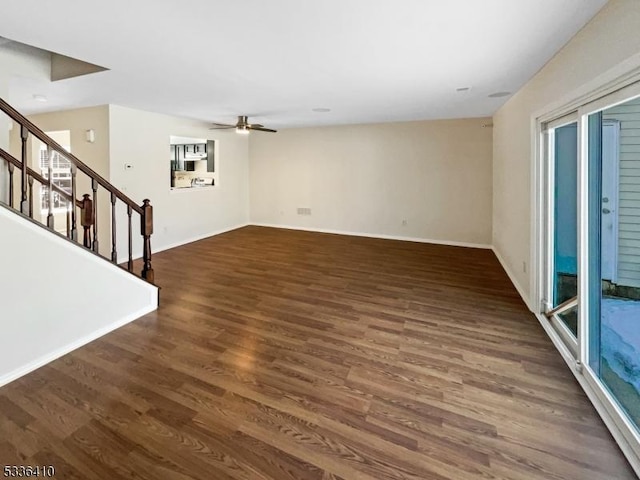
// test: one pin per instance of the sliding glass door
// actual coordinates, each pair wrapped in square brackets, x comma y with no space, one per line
[561,305]
[614,246]
[589,248]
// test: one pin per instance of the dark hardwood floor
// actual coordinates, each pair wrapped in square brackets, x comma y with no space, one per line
[281,355]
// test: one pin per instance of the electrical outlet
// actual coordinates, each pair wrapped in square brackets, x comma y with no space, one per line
[524,267]
[304,211]
[404,223]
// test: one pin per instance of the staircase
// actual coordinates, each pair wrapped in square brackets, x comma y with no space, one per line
[85,208]
[57,291]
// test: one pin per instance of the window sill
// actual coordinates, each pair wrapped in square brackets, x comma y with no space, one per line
[191,189]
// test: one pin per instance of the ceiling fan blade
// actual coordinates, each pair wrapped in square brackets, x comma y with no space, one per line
[222,127]
[261,129]
[251,125]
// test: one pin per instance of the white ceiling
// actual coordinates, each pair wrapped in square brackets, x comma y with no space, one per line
[366,60]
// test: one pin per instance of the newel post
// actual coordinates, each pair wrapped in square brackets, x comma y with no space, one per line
[86,218]
[146,228]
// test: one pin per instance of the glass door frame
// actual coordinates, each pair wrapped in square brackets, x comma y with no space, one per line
[621,89]
[585,324]
[550,310]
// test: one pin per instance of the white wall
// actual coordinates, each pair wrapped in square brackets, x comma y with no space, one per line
[367,179]
[48,309]
[141,139]
[610,38]
[16,61]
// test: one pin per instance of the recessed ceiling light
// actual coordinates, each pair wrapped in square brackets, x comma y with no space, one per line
[321,110]
[463,89]
[499,94]
[40,98]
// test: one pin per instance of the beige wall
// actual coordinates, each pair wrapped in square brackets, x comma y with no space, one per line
[610,38]
[367,179]
[95,155]
[141,139]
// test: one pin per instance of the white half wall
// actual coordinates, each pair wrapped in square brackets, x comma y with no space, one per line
[48,307]
[609,39]
[141,140]
[428,180]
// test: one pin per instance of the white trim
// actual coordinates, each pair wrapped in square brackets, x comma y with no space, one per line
[537,254]
[595,394]
[198,237]
[625,425]
[618,97]
[585,99]
[452,243]
[203,188]
[616,78]
[513,279]
[549,215]
[59,352]
[562,121]
[563,332]
[186,241]
[584,176]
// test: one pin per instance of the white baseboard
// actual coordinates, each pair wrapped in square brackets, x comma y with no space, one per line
[453,243]
[199,237]
[521,291]
[59,352]
[186,241]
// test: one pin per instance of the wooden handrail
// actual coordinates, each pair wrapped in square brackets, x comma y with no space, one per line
[36,176]
[89,203]
[44,138]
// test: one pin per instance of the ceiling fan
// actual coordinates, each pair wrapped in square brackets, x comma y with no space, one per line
[242,126]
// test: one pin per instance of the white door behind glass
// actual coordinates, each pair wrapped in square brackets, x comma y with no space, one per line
[610,180]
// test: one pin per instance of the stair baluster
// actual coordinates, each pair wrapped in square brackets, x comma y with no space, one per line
[50,186]
[94,187]
[114,251]
[24,134]
[130,262]
[30,180]
[74,195]
[69,219]
[11,168]
[88,206]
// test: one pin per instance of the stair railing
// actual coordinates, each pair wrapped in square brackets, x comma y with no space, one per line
[87,206]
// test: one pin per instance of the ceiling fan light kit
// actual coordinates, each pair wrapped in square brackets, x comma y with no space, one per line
[242,126]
